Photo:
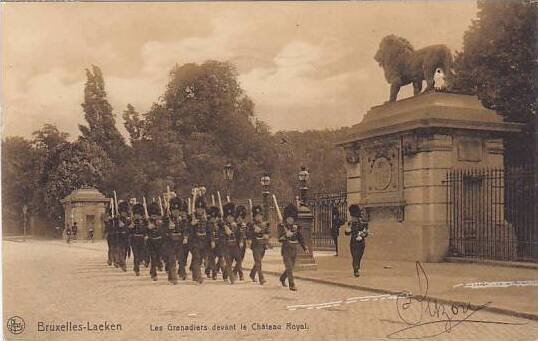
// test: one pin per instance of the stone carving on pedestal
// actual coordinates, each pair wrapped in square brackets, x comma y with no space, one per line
[382,171]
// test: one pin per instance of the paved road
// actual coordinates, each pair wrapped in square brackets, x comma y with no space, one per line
[54,283]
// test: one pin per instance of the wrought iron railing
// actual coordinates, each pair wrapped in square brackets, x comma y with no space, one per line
[491,214]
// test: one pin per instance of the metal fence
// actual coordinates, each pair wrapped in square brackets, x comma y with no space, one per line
[322,206]
[491,214]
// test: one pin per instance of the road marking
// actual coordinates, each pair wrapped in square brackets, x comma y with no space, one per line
[501,284]
[349,300]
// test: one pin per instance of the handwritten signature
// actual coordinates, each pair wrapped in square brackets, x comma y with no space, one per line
[420,310]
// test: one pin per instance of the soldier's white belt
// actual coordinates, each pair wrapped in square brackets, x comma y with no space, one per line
[155,237]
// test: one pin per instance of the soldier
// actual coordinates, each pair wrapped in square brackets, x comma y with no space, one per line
[154,239]
[138,237]
[110,232]
[289,234]
[357,227]
[336,222]
[215,255]
[232,241]
[258,232]
[240,215]
[123,223]
[199,239]
[175,228]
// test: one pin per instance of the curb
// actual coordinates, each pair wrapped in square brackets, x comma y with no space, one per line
[493,309]
[523,265]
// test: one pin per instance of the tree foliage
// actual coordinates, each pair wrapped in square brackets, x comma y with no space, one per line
[499,64]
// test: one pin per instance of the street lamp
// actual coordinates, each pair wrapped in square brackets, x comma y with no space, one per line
[303,176]
[228,172]
[265,181]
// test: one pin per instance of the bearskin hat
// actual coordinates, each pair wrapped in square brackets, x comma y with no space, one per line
[354,210]
[178,204]
[123,206]
[200,203]
[290,211]
[213,212]
[153,209]
[240,211]
[138,209]
[257,210]
[228,209]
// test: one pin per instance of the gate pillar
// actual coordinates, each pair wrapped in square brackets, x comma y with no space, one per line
[397,159]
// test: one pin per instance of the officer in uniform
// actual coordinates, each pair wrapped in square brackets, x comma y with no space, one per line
[258,233]
[138,237]
[233,240]
[240,215]
[215,255]
[110,231]
[123,223]
[358,229]
[290,235]
[175,238]
[336,222]
[154,238]
[199,239]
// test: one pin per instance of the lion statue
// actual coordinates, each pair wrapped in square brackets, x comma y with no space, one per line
[403,65]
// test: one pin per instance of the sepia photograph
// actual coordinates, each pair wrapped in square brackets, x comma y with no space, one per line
[269,170]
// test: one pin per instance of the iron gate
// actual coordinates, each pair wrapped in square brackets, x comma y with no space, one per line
[491,214]
[322,206]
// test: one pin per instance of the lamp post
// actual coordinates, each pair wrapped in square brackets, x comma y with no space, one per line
[305,219]
[303,176]
[265,181]
[228,172]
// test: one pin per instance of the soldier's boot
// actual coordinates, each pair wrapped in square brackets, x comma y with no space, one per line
[283,280]
[241,278]
[262,279]
[293,288]
[252,276]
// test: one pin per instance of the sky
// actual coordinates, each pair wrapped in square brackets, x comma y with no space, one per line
[306,65]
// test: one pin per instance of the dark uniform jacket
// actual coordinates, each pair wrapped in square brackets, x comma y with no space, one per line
[123,228]
[139,228]
[174,228]
[234,237]
[257,238]
[295,238]
[199,233]
[156,232]
[110,229]
[359,230]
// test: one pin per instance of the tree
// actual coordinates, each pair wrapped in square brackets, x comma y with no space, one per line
[70,166]
[499,64]
[48,137]
[18,180]
[101,128]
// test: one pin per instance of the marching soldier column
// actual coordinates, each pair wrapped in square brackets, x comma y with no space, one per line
[216,237]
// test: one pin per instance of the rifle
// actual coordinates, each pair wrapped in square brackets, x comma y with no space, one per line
[116,203]
[112,207]
[220,204]
[194,192]
[145,207]
[161,205]
[168,197]
[279,214]
[190,206]
[251,213]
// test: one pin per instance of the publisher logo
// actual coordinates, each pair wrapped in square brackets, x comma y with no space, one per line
[15,325]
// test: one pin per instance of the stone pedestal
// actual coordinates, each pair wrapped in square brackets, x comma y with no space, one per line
[86,206]
[305,219]
[397,161]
